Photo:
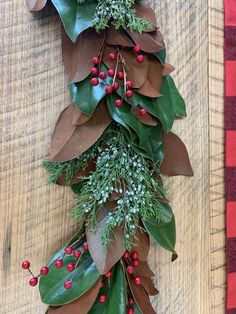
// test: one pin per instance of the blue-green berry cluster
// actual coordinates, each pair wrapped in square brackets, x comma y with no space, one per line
[122,175]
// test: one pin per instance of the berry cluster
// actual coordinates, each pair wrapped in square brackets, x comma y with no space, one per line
[118,76]
[58,263]
[132,259]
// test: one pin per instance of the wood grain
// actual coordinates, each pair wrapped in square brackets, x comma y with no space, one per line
[216,126]
[35,218]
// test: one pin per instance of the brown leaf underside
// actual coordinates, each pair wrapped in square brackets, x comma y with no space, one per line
[176,160]
[143,270]
[78,117]
[141,297]
[69,141]
[146,13]
[150,42]
[105,258]
[141,244]
[81,305]
[149,286]
[78,57]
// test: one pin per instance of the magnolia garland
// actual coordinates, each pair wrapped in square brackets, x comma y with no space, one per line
[111,145]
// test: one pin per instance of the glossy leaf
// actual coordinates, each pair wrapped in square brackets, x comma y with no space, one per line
[158,107]
[149,137]
[116,294]
[116,303]
[85,96]
[85,275]
[163,234]
[75,17]
[161,55]
[82,304]
[171,95]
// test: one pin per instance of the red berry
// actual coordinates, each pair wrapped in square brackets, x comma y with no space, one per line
[33,281]
[96,60]
[70,267]
[102,75]
[126,254]
[85,246]
[25,265]
[130,310]
[129,93]
[68,284]
[108,274]
[112,56]
[118,102]
[58,263]
[109,89]
[111,72]
[137,48]
[94,71]
[134,255]
[140,58]
[135,262]
[130,269]
[76,253]
[129,84]
[68,250]
[130,300]
[102,298]
[94,81]
[138,280]
[120,75]
[142,112]
[44,270]
[115,86]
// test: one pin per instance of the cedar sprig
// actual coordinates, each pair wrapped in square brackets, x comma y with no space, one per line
[120,170]
[121,14]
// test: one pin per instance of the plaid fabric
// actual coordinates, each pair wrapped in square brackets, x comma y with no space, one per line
[230,150]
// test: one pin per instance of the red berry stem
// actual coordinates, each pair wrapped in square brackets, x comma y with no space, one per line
[116,67]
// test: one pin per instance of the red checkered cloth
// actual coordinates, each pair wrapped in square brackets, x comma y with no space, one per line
[230,151]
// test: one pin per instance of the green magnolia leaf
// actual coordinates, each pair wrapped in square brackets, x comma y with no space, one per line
[149,138]
[85,96]
[85,275]
[74,239]
[76,188]
[116,294]
[161,55]
[171,95]
[75,17]
[158,107]
[166,211]
[117,300]
[163,234]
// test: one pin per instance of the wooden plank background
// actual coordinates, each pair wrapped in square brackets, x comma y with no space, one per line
[34,217]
